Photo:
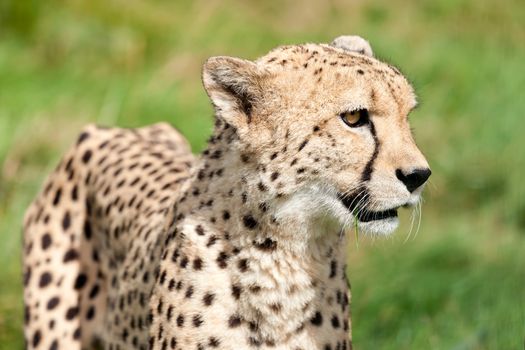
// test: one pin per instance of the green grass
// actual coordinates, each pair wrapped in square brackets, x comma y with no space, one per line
[460,284]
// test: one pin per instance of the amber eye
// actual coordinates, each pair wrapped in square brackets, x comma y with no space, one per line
[355,118]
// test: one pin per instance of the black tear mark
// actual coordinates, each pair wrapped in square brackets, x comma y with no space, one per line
[367,172]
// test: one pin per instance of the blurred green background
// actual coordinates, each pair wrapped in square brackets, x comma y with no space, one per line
[458,284]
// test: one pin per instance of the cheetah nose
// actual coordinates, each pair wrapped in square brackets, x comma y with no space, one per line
[413,179]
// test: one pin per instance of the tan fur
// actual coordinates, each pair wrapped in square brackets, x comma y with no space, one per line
[244,248]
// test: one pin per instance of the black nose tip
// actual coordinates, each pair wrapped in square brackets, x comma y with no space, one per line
[413,179]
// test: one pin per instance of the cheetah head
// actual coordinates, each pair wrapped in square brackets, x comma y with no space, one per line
[327,126]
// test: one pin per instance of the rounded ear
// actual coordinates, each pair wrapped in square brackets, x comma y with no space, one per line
[353,43]
[233,87]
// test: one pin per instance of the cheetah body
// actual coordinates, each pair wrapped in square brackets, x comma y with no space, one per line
[135,243]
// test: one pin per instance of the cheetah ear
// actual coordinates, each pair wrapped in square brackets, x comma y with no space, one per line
[353,43]
[233,86]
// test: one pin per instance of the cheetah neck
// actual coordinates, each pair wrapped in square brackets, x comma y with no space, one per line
[284,266]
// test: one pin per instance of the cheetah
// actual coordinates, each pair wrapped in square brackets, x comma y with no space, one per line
[134,243]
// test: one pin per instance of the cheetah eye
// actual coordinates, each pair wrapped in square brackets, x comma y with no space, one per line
[355,118]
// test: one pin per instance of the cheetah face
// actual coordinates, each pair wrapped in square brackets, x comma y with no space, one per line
[330,128]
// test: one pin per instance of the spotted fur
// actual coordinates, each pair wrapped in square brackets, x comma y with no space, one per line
[134,244]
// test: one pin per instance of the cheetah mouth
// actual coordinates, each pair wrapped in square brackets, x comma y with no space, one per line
[363,214]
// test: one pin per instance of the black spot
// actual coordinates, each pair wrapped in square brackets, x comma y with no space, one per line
[86,156]
[52,303]
[27,276]
[74,193]
[162,278]
[236,291]
[208,299]
[360,71]
[90,314]
[180,320]
[145,277]
[77,333]
[234,321]
[222,260]
[249,222]
[175,255]
[27,315]
[197,264]
[169,313]
[199,230]
[317,320]
[274,176]
[197,320]
[151,342]
[263,206]
[189,292]
[267,245]
[216,154]
[80,282]
[45,279]
[171,285]
[71,313]
[333,268]
[243,265]
[271,343]
[70,255]
[94,291]
[276,307]
[58,194]
[254,341]
[211,241]
[335,322]
[36,338]
[316,128]
[225,215]
[46,241]
[262,187]
[87,230]
[54,345]
[302,145]
[66,221]
[179,285]
[83,136]
[255,289]
[214,342]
